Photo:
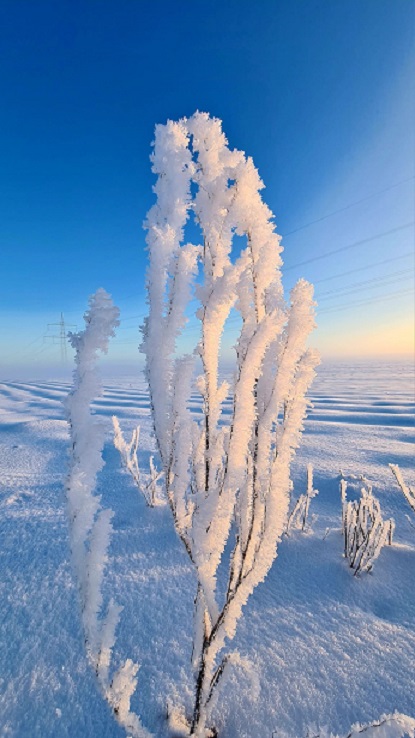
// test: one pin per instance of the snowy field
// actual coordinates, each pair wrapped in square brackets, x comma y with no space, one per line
[325,648]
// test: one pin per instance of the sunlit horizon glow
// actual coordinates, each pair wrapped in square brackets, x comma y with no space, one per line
[389,341]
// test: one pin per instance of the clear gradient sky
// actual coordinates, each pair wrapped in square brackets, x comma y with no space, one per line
[319,92]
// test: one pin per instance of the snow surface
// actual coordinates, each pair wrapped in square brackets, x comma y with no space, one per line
[318,646]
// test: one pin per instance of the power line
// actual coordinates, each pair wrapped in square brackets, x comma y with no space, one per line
[315,281]
[330,253]
[235,319]
[355,287]
[349,305]
[346,306]
[350,246]
[24,348]
[43,348]
[361,269]
[368,283]
[132,317]
[21,353]
[346,207]
[381,281]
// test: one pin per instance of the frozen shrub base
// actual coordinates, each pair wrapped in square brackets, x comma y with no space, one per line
[364,530]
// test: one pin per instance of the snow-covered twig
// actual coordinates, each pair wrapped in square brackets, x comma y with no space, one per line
[298,517]
[128,451]
[90,525]
[409,492]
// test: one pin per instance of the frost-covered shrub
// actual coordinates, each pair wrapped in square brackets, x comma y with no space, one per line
[364,530]
[90,525]
[298,517]
[222,477]
[148,485]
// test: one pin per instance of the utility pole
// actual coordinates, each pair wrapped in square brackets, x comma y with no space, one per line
[61,336]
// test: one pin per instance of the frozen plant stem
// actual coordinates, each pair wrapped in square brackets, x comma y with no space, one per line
[298,517]
[128,451]
[221,477]
[408,492]
[149,487]
[90,525]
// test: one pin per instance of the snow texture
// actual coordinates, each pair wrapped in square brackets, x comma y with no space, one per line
[326,648]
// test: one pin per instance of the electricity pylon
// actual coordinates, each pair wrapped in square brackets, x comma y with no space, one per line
[61,336]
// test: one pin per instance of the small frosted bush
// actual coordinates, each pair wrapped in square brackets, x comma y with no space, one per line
[364,530]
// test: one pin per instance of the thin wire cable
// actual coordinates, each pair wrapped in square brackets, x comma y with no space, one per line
[46,347]
[236,319]
[133,317]
[350,305]
[346,306]
[350,246]
[316,281]
[368,283]
[307,261]
[346,207]
[361,269]
[323,256]
[22,352]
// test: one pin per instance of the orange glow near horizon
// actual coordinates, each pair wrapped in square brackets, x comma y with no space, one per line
[396,339]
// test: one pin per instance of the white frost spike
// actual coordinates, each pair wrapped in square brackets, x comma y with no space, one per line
[87,435]
[107,641]
[90,525]
[96,561]
[222,476]
[181,448]
[119,693]
[409,492]
[299,514]
[172,162]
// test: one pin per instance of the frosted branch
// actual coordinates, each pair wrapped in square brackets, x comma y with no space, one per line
[409,492]
[90,525]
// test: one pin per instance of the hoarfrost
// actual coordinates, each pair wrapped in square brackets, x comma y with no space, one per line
[90,525]
[222,477]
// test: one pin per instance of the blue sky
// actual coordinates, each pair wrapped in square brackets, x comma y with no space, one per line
[320,93]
